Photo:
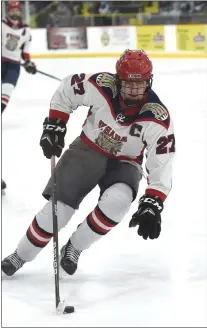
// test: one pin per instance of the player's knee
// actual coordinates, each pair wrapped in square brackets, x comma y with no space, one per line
[116,201]
[44,217]
[120,194]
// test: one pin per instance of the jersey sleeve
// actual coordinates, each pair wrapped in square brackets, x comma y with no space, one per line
[27,44]
[74,91]
[160,145]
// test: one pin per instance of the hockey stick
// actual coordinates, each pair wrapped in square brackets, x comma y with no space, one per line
[52,76]
[60,306]
[43,73]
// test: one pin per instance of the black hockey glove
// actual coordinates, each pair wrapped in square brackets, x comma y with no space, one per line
[52,139]
[30,67]
[148,217]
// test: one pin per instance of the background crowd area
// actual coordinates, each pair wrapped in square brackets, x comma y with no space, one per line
[103,13]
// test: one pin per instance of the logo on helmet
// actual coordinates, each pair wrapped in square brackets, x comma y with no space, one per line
[134,76]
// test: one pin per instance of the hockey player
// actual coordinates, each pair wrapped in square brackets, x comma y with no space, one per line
[16,39]
[125,117]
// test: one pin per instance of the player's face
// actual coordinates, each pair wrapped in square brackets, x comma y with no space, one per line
[133,90]
[15,13]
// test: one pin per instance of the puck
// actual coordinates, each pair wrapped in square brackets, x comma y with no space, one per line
[69,309]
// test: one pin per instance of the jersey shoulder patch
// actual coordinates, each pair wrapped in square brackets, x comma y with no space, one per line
[154,110]
[105,83]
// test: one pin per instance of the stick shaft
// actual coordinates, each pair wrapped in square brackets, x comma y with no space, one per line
[55,232]
[46,74]
[49,75]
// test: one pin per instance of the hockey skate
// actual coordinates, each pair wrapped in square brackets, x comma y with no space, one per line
[69,258]
[11,264]
[3,184]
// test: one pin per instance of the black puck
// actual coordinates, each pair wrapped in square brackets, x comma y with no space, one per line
[69,309]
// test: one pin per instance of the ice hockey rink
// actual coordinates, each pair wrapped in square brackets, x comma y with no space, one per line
[122,280]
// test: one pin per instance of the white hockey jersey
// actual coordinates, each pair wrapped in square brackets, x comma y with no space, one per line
[15,41]
[117,135]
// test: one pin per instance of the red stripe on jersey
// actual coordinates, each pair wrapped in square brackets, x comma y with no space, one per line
[58,114]
[4,59]
[5,99]
[96,226]
[166,126]
[103,220]
[154,192]
[37,241]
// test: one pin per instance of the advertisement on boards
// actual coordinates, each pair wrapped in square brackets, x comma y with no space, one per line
[66,38]
[151,38]
[116,36]
[191,37]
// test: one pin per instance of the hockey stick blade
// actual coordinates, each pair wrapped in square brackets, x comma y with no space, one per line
[63,309]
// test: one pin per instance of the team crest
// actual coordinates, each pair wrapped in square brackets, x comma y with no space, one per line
[108,144]
[109,140]
[160,113]
[12,43]
[108,81]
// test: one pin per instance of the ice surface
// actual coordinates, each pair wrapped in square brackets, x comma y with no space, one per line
[122,280]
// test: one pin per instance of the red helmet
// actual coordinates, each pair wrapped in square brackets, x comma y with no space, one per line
[134,65]
[14,4]
[13,15]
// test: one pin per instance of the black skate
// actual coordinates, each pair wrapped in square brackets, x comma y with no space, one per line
[11,264]
[3,184]
[69,258]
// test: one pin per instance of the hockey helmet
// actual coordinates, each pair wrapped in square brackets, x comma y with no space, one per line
[14,10]
[134,70]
